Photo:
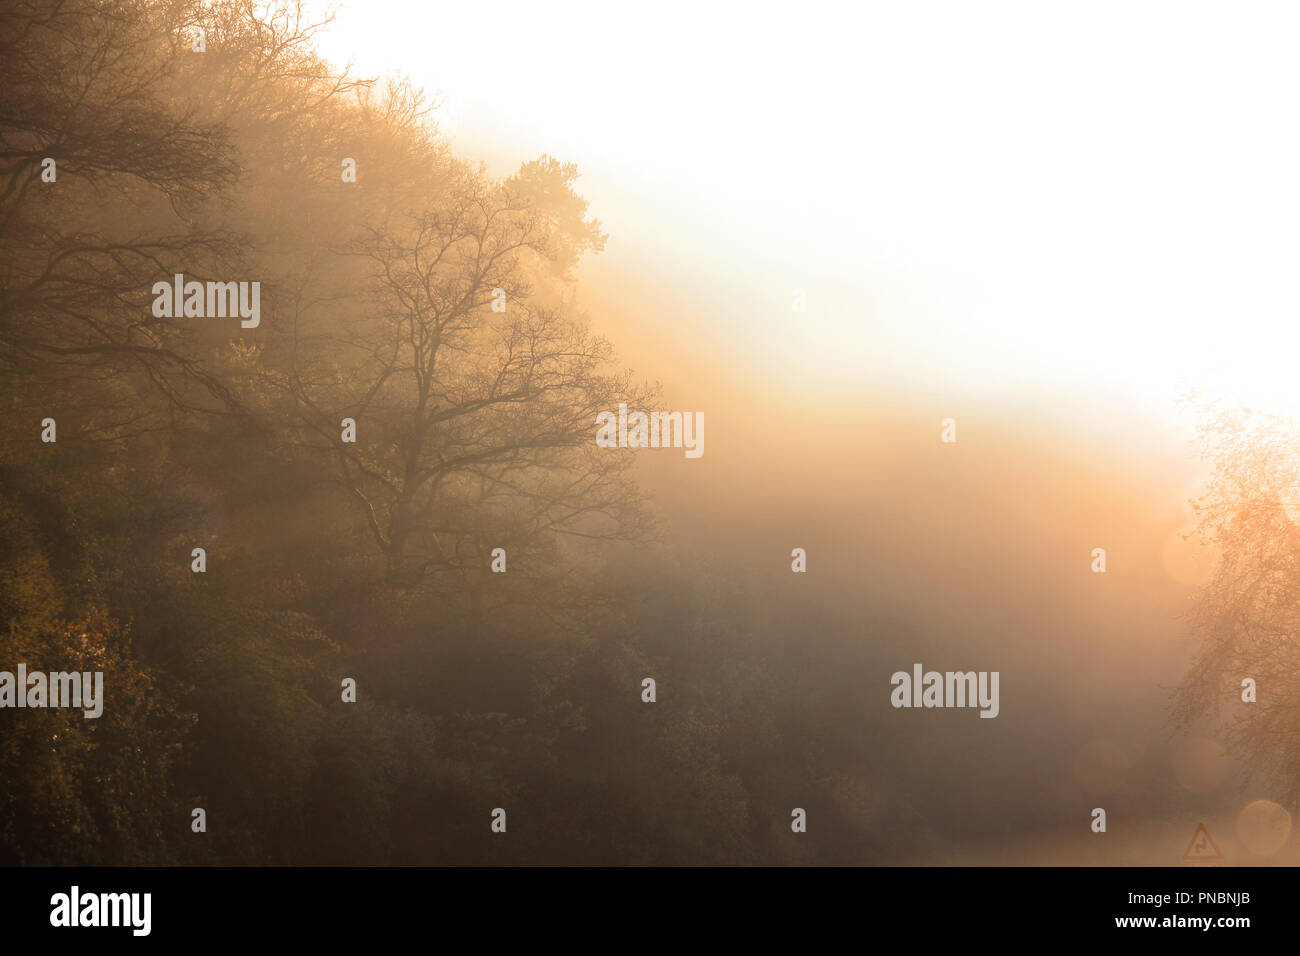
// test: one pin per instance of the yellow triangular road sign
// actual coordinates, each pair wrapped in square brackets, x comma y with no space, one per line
[1202,846]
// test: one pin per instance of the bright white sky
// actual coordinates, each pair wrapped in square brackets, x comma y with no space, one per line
[992,194]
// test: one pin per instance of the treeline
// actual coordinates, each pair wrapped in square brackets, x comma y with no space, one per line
[433,306]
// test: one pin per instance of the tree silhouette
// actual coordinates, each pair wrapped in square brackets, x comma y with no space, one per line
[89,86]
[1247,619]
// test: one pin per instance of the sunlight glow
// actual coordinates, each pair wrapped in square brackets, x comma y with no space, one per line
[1106,195]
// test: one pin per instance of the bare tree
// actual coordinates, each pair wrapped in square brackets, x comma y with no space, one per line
[1248,616]
[474,390]
[87,86]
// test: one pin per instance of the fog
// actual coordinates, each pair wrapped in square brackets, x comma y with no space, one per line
[949,288]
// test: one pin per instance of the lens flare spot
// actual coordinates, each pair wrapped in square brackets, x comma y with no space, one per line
[1263,827]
